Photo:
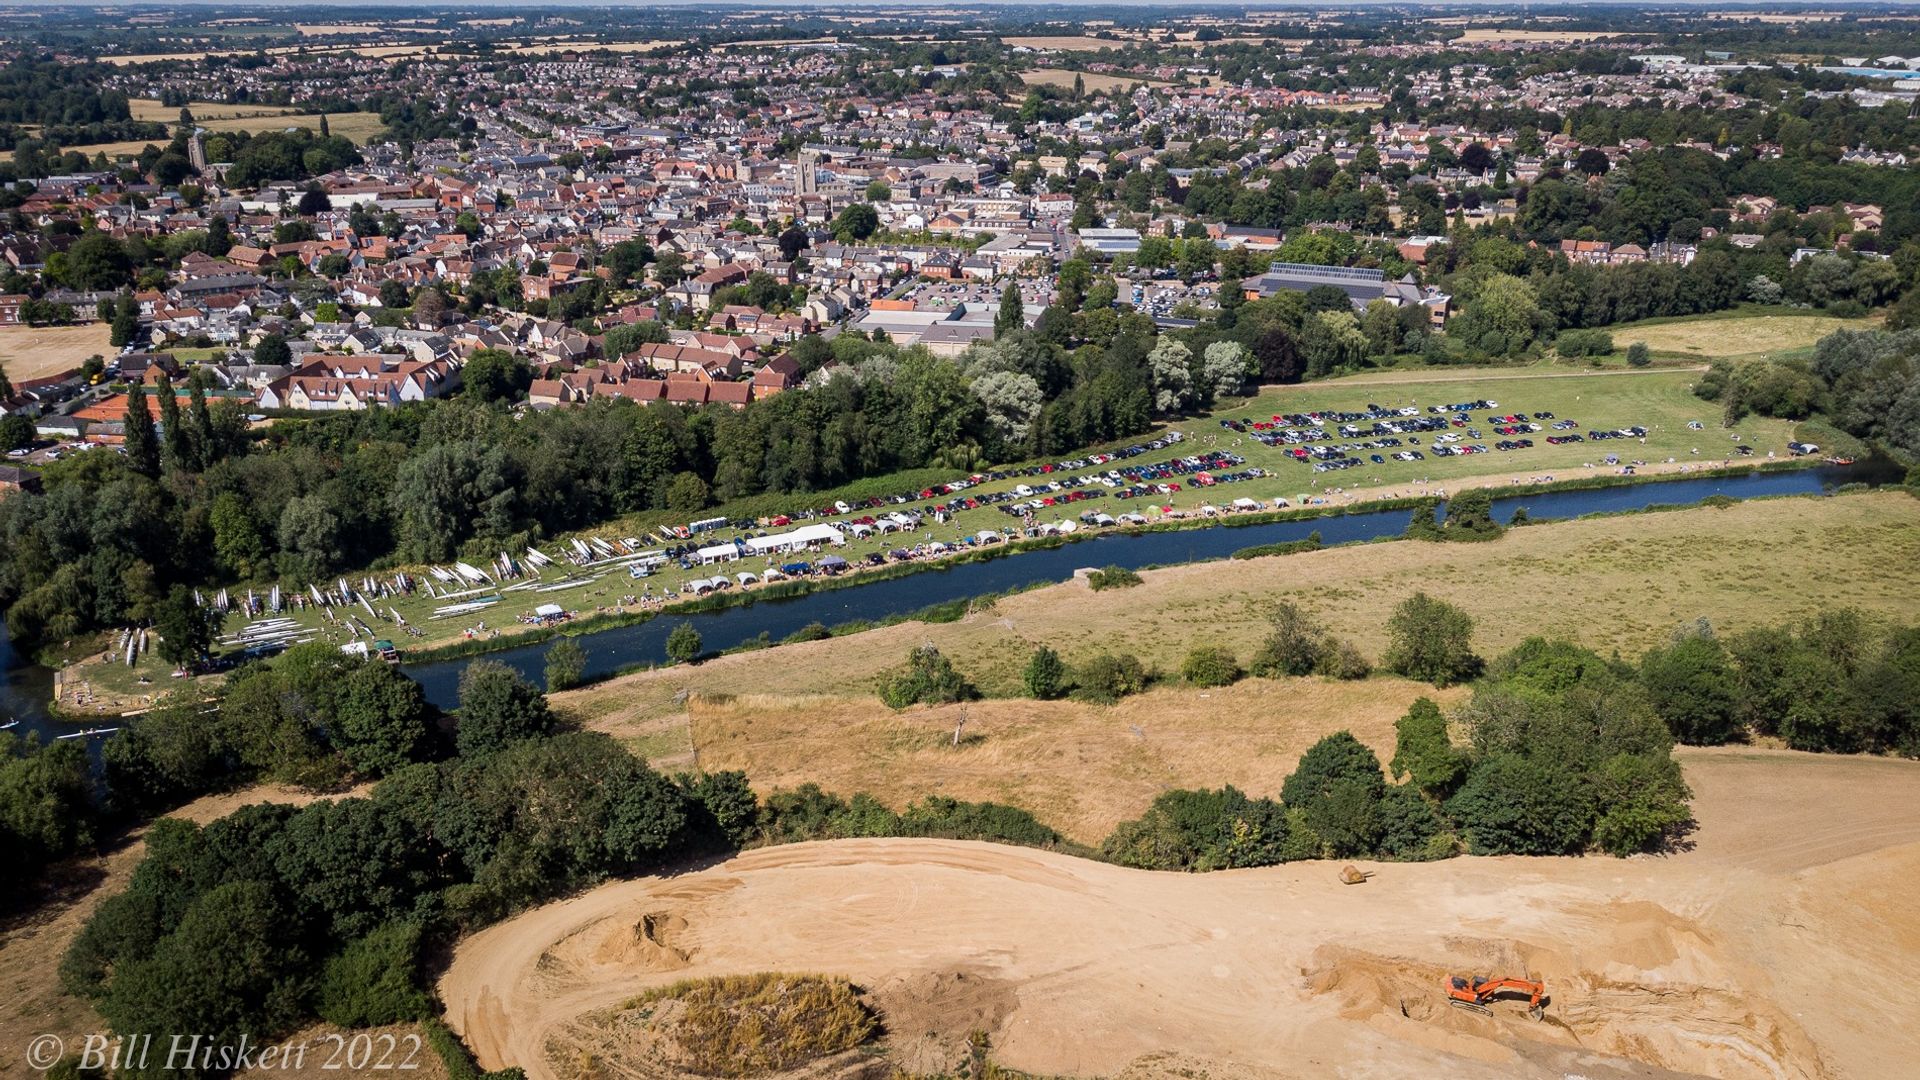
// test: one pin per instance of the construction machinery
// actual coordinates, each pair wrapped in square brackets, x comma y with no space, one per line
[1477,993]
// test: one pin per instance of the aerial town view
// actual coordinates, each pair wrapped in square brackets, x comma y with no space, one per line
[990,541]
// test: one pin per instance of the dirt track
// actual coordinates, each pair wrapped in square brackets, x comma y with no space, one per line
[1781,945]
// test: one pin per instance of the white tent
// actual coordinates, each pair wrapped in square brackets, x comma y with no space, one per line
[797,538]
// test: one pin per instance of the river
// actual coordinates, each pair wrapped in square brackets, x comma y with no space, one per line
[28,687]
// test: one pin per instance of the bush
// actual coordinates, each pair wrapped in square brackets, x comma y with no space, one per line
[1643,803]
[373,981]
[1410,828]
[1470,516]
[1638,355]
[1112,577]
[1572,343]
[813,631]
[566,663]
[1045,677]
[1424,753]
[1300,646]
[928,678]
[1201,830]
[1432,641]
[1209,666]
[1107,678]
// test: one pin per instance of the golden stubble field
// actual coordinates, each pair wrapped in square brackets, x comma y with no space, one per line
[32,352]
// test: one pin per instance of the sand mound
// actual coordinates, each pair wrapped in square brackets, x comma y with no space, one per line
[648,944]
[928,1016]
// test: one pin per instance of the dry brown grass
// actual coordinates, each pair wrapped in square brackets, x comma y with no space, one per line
[1095,82]
[1486,35]
[1079,768]
[357,126]
[1613,584]
[752,1025]
[1755,336]
[32,352]
[1064,43]
[152,111]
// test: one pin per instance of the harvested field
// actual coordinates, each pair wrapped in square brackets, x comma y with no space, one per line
[1064,43]
[149,110]
[33,352]
[1094,81]
[1733,337]
[1486,35]
[1721,961]
[357,126]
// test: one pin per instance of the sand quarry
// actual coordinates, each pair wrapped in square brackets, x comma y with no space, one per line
[1781,943]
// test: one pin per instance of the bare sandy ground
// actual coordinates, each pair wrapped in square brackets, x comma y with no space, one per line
[1781,945]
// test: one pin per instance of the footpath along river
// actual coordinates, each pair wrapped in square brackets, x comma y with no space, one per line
[26,688]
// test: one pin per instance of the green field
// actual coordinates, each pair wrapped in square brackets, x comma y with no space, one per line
[1658,400]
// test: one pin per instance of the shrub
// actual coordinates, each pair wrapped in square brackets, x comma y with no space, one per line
[1210,665]
[1294,646]
[373,981]
[1573,343]
[1107,678]
[1341,659]
[1201,830]
[1045,676]
[1432,641]
[813,631]
[1638,355]
[1470,516]
[1112,577]
[1643,802]
[1409,827]
[928,678]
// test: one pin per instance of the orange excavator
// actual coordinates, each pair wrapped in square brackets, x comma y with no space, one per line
[1477,993]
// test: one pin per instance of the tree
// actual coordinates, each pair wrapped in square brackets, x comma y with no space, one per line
[1432,641]
[175,440]
[187,630]
[1224,368]
[16,432]
[1202,830]
[1012,400]
[687,492]
[1514,805]
[381,720]
[792,240]
[1692,685]
[1107,678]
[1170,368]
[1638,355]
[272,350]
[928,678]
[498,707]
[393,293]
[878,191]
[1642,802]
[314,200]
[126,321]
[1592,161]
[684,644]
[566,663]
[857,222]
[1295,647]
[142,445]
[1045,677]
[1423,753]
[1012,314]
[1337,786]
[6,385]
[495,375]
[219,235]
